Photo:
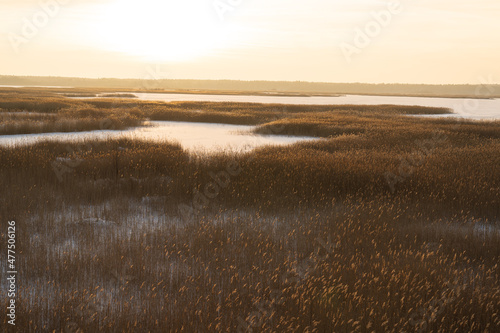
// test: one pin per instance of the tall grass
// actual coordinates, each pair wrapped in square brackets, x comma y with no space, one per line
[82,115]
[104,246]
[43,114]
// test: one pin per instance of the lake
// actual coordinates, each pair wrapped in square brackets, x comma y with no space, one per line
[194,137]
[478,109]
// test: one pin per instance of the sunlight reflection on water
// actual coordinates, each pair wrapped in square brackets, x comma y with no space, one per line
[195,137]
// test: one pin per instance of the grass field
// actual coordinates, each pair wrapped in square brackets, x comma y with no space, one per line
[390,224]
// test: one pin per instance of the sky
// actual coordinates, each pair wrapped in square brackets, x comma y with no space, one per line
[373,41]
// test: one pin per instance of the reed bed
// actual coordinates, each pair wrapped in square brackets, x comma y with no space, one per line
[389,224]
[25,114]
[32,108]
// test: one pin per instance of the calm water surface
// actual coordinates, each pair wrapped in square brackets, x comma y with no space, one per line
[478,109]
[195,137]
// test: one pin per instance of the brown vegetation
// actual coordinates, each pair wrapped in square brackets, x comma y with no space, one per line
[119,95]
[390,224]
[23,113]
[35,111]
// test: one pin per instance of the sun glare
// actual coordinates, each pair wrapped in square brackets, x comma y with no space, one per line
[160,30]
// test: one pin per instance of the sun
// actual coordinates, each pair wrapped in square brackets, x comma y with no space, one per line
[161,30]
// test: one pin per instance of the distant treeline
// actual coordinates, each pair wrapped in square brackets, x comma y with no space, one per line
[457,90]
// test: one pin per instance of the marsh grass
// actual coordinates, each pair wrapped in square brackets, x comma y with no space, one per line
[119,95]
[106,248]
[25,114]
[119,112]
[77,95]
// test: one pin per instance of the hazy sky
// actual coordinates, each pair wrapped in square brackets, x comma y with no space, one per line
[413,41]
